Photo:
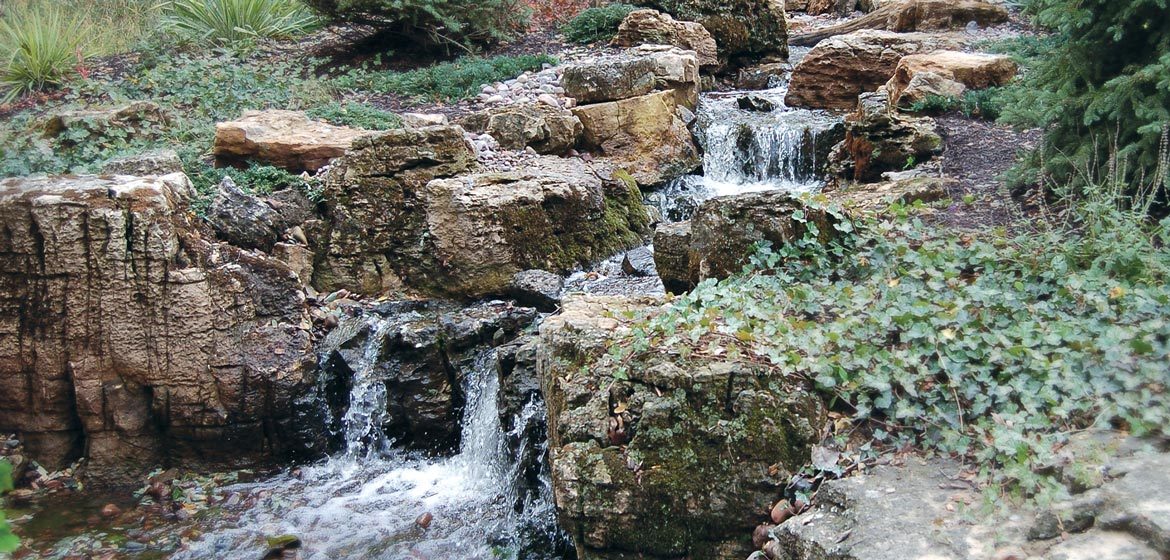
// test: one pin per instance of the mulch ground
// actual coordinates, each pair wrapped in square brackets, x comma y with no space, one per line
[977,154]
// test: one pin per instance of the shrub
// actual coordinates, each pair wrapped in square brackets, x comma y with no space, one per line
[983,103]
[356,115]
[464,24]
[597,24]
[447,81]
[228,22]
[40,48]
[552,13]
[1102,92]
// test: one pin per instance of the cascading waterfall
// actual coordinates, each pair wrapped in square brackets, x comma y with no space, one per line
[363,502]
[750,150]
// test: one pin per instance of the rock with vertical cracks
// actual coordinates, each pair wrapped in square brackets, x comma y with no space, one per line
[129,337]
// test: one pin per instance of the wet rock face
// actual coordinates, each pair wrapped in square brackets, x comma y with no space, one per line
[742,28]
[717,242]
[420,360]
[286,139]
[879,140]
[839,69]
[129,338]
[670,459]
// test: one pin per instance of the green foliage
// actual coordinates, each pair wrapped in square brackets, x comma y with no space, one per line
[463,24]
[989,348]
[596,24]
[40,48]
[358,115]
[231,22]
[8,541]
[1102,92]
[984,103]
[448,81]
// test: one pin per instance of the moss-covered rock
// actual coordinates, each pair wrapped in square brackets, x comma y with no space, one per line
[556,215]
[742,28]
[665,457]
[719,240]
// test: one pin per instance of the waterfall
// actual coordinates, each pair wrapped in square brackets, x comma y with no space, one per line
[751,150]
[364,501]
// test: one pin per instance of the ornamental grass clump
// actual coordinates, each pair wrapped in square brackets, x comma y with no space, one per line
[232,22]
[41,48]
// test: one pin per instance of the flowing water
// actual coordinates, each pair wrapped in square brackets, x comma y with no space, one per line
[747,151]
[365,500]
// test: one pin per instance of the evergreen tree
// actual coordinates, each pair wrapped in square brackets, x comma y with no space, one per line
[1103,92]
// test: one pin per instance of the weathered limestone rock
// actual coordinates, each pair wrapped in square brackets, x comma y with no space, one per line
[160,162]
[375,207]
[555,215]
[839,69]
[878,197]
[913,15]
[644,135]
[426,349]
[1125,517]
[963,70]
[404,212]
[634,73]
[742,28]
[718,240]
[665,459]
[546,129]
[137,120]
[127,337]
[656,28]
[878,140]
[286,139]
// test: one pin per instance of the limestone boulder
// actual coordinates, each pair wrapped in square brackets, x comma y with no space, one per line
[374,207]
[663,458]
[158,162]
[556,215]
[128,337]
[286,139]
[946,72]
[655,28]
[839,69]
[633,73]
[879,140]
[718,241]
[546,129]
[741,28]
[644,135]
